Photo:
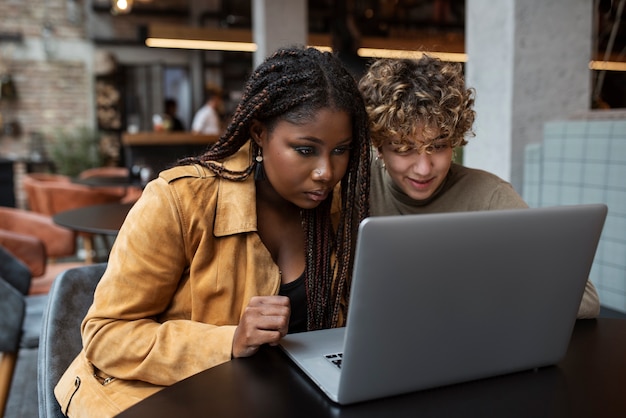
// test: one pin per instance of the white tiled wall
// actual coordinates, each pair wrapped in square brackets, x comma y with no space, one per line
[584,161]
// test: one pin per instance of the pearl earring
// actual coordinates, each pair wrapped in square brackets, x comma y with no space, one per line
[259,171]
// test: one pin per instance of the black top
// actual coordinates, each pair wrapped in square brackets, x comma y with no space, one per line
[297,295]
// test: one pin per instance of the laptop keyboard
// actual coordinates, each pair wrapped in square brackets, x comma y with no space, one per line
[335,358]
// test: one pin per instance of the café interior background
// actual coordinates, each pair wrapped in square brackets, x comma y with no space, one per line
[71,64]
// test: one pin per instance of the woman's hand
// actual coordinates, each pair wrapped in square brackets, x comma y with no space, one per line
[264,321]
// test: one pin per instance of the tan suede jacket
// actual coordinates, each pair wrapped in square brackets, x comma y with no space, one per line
[184,266]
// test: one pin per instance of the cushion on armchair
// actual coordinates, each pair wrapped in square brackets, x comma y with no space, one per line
[36,240]
[29,249]
[12,311]
[14,271]
[16,307]
[59,241]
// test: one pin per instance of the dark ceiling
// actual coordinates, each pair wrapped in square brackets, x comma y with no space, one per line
[393,18]
[372,17]
[347,20]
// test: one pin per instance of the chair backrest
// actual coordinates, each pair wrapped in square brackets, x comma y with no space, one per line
[53,196]
[70,297]
[129,194]
[30,250]
[37,198]
[14,271]
[58,241]
[104,171]
[14,283]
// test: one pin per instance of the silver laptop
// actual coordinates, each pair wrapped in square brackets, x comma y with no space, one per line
[447,298]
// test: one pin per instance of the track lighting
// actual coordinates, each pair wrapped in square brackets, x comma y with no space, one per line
[119,7]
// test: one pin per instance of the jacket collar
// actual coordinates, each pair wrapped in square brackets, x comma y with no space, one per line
[236,200]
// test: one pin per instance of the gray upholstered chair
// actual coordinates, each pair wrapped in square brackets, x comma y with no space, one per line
[20,317]
[69,299]
[12,312]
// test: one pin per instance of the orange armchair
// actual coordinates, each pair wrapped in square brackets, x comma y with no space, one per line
[37,241]
[35,194]
[58,241]
[50,194]
[130,193]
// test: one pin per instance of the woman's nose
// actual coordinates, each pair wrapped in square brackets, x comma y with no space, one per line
[322,172]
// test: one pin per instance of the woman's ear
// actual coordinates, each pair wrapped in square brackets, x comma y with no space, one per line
[258,132]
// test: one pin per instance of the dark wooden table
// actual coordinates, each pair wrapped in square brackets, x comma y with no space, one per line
[105,219]
[589,382]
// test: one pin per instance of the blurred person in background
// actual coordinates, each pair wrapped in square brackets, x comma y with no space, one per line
[171,114]
[207,119]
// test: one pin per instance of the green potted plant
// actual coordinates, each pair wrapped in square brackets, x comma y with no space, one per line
[75,150]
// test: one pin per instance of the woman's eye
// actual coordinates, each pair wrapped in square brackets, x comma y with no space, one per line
[341,150]
[304,150]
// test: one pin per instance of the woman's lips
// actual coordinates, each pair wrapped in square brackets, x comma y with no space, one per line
[317,195]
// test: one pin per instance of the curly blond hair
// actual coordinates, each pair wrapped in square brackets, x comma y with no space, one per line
[404,96]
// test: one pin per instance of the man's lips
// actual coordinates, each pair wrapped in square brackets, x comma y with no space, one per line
[421,183]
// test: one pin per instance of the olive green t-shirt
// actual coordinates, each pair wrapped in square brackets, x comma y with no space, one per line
[464,189]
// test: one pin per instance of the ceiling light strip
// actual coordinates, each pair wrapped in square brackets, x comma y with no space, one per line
[362,52]
[198,44]
[607,65]
[400,53]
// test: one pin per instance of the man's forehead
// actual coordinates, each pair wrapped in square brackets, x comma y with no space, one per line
[418,135]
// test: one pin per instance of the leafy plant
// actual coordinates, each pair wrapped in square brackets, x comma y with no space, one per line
[75,150]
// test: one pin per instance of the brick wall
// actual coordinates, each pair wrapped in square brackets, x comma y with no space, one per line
[52,94]
[52,91]
[29,16]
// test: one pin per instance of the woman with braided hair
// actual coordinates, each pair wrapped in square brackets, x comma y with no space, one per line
[233,249]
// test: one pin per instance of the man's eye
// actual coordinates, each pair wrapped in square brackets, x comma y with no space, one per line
[402,149]
[440,146]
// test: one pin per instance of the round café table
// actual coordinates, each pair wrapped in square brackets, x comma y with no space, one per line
[589,382]
[105,219]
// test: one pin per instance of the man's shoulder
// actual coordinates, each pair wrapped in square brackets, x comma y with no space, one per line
[474,175]
[481,189]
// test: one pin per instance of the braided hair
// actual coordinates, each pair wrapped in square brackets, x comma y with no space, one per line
[292,85]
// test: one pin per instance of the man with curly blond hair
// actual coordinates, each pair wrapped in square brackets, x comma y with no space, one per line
[420,113]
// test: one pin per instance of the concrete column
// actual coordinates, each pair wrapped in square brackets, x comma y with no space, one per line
[528,61]
[277,23]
